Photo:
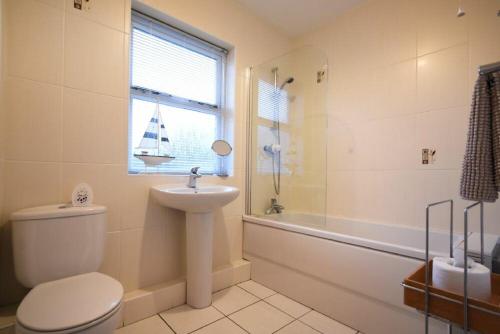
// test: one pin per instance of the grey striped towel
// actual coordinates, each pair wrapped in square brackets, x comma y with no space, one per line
[481,166]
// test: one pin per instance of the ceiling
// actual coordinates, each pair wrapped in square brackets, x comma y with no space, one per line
[296,17]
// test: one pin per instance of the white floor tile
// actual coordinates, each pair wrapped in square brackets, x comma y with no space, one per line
[297,327]
[184,319]
[225,326]
[261,318]
[325,325]
[153,325]
[232,299]
[256,289]
[287,305]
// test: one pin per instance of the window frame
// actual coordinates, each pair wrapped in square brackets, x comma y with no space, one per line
[193,43]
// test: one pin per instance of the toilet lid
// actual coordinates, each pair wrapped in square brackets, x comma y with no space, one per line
[69,302]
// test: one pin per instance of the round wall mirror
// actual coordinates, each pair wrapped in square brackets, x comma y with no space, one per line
[221,147]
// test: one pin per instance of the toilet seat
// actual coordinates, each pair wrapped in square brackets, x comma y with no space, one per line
[70,304]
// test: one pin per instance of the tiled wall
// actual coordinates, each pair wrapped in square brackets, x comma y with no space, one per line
[66,102]
[401,77]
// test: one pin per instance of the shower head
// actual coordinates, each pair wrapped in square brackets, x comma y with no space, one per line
[287,81]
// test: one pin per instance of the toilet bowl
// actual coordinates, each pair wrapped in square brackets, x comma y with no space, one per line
[87,303]
[57,252]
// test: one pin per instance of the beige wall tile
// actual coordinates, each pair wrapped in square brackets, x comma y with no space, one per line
[139,209]
[34,47]
[31,184]
[112,260]
[394,142]
[152,255]
[342,146]
[54,3]
[396,194]
[438,185]
[483,26]
[128,12]
[110,13]
[34,121]
[107,185]
[442,79]
[355,36]
[438,25]
[227,242]
[446,132]
[399,31]
[93,57]
[397,93]
[94,128]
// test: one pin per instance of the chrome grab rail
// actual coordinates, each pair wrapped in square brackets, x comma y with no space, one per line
[427,223]
[466,250]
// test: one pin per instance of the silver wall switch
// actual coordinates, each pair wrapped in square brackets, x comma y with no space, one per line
[425,156]
[77,4]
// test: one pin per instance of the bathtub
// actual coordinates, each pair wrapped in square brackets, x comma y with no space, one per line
[347,269]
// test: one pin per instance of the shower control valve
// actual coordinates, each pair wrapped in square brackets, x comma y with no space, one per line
[273,148]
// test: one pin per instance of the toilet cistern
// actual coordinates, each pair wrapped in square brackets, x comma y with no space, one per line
[57,252]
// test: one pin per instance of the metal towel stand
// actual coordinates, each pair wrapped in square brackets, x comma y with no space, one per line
[466,249]
[484,69]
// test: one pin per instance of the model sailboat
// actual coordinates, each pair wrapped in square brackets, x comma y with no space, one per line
[154,148]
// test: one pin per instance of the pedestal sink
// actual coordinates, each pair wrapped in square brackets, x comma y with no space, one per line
[199,204]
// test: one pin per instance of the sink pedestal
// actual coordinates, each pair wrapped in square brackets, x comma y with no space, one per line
[199,238]
[199,204]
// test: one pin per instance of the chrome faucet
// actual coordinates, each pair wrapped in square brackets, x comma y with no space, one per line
[275,207]
[193,175]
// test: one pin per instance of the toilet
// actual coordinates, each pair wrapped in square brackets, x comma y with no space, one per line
[57,251]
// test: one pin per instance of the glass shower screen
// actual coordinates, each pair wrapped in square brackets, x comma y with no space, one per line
[288,135]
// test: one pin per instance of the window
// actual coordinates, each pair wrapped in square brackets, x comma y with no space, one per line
[272,102]
[176,99]
[272,105]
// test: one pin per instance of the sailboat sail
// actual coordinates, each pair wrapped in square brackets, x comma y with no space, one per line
[164,141]
[150,138]
[154,148]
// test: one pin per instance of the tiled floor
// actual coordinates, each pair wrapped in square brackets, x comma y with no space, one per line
[246,308]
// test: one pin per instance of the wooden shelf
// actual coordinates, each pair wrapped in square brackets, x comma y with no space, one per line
[484,315]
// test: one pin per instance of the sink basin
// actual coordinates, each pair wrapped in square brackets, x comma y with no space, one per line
[199,204]
[204,198]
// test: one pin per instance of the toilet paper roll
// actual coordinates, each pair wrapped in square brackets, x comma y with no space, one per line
[82,195]
[458,258]
[446,276]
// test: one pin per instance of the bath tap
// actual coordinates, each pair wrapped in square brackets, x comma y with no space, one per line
[275,207]
[193,175]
